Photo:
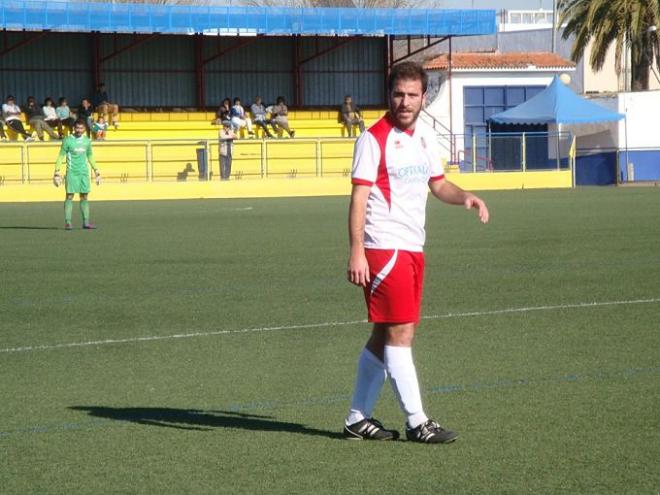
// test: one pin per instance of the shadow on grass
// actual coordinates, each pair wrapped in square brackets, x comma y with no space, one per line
[195,419]
[27,227]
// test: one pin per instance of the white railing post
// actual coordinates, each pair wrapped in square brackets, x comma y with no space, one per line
[23,164]
[523,158]
[207,150]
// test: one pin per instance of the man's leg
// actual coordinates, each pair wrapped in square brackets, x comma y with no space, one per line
[49,130]
[68,211]
[395,342]
[84,210]
[348,123]
[392,343]
[361,125]
[114,114]
[36,126]
[17,125]
[359,423]
[371,376]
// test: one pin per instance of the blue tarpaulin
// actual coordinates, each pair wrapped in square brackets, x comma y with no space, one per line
[556,104]
[54,15]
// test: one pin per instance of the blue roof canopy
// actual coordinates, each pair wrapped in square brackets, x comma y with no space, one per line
[556,104]
[58,15]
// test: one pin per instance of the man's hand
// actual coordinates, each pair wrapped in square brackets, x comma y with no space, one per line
[57,179]
[98,177]
[473,201]
[358,269]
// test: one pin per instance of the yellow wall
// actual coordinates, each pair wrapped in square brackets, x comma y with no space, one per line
[273,187]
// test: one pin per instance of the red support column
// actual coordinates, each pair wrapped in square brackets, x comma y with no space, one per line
[297,75]
[200,78]
[96,58]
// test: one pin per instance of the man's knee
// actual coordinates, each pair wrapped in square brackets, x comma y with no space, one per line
[396,334]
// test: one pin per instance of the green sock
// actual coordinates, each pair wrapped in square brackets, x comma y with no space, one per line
[84,211]
[68,210]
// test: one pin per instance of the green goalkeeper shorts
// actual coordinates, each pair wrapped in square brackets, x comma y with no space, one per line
[76,184]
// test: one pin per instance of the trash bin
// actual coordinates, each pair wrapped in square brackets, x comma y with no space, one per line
[202,162]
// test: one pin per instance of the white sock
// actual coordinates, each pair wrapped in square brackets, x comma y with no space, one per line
[401,369]
[371,375]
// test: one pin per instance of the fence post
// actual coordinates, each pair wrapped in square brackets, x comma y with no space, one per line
[149,168]
[523,157]
[209,162]
[262,156]
[23,164]
[27,160]
[474,153]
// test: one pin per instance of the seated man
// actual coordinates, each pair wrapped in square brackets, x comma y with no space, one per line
[101,103]
[64,113]
[223,114]
[35,117]
[351,115]
[260,117]
[279,113]
[11,114]
[239,119]
[50,116]
[3,136]
[86,113]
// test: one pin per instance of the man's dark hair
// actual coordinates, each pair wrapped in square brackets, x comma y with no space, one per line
[237,100]
[80,122]
[407,71]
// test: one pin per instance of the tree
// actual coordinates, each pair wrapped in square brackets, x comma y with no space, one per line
[630,24]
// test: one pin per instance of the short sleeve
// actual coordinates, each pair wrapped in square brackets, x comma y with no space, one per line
[435,158]
[366,159]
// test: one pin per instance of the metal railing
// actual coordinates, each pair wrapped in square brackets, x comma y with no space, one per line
[506,152]
[183,160]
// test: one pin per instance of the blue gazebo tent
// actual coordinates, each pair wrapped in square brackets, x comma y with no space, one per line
[556,104]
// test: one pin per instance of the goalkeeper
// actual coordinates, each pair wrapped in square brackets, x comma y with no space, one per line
[77,149]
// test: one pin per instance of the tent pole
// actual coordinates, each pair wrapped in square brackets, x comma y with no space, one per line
[557,147]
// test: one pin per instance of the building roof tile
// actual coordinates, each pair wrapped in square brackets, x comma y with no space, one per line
[496,60]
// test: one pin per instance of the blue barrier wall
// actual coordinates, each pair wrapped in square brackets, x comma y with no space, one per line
[646,165]
[597,169]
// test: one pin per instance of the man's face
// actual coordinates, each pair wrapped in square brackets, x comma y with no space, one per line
[79,130]
[348,100]
[406,101]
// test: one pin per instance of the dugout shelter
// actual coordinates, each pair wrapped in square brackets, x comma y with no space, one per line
[153,56]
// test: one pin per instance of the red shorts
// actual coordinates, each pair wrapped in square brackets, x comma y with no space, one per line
[395,292]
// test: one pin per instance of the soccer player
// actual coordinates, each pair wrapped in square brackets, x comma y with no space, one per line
[395,163]
[77,148]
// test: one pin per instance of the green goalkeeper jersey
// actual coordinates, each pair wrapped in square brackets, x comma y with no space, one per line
[78,151]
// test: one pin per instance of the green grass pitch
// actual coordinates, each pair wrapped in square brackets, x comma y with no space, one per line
[210,347]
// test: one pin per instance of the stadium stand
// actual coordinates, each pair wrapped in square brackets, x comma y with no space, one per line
[171,125]
[149,146]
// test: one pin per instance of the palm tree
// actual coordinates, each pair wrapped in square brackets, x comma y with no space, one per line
[630,24]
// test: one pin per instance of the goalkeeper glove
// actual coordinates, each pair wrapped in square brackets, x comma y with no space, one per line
[98,178]
[57,179]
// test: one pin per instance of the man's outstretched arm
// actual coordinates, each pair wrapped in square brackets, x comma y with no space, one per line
[452,194]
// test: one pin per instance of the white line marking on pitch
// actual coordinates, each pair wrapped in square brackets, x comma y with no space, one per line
[320,325]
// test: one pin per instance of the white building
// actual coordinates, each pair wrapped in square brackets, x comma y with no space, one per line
[467,89]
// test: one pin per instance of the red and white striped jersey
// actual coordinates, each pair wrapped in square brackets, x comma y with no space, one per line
[398,166]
